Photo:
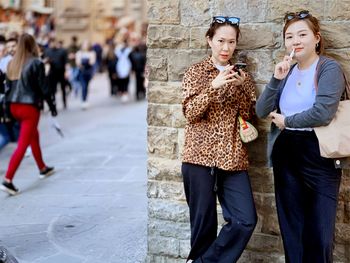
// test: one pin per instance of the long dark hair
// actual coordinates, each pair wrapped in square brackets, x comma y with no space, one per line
[26,48]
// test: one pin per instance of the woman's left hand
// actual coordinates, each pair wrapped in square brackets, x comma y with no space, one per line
[277,119]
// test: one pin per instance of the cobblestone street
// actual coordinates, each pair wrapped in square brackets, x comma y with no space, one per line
[94,208]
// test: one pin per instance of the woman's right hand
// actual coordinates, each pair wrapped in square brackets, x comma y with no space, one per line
[224,77]
[282,68]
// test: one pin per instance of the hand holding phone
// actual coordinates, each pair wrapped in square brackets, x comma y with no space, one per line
[238,66]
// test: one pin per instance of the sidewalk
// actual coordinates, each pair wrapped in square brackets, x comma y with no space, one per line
[94,208]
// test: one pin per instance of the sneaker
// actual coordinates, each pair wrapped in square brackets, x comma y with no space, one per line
[46,172]
[9,188]
[3,255]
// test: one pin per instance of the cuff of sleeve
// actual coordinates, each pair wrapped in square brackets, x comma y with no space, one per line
[273,84]
[286,122]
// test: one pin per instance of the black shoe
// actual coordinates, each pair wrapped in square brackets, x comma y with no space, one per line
[3,256]
[6,257]
[9,188]
[46,172]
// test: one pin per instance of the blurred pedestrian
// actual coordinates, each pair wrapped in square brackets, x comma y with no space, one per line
[138,59]
[9,130]
[85,60]
[110,61]
[123,67]
[97,48]
[57,57]
[26,78]
[73,70]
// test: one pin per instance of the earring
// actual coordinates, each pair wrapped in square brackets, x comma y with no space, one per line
[317,45]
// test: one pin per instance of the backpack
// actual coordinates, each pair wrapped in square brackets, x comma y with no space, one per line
[123,65]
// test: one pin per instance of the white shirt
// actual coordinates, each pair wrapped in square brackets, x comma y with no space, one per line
[299,92]
[4,62]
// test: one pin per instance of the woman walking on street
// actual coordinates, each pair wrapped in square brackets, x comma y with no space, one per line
[215,161]
[85,60]
[298,98]
[26,80]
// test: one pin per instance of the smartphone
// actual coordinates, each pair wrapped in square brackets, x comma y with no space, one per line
[239,65]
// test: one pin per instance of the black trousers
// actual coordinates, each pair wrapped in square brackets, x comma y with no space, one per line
[306,189]
[236,200]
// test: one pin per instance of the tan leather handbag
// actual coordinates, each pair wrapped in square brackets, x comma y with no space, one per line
[334,139]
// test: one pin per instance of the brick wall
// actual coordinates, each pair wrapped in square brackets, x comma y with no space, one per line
[176,40]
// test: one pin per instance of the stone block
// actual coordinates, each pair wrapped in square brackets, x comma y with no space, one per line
[342,233]
[185,247]
[195,13]
[162,142]
[180,60]
[165,115]
[159,115]
[165,210]
[163,169]
[166,190]
[157,64]
[249,11]
[198,39]
[163,259]
[258,36]
[168,36]
[344,191]
[249,256]
[266,207]
[170,229]
[333,33]
[163,246]
[277,9]
[181,142]
[257,150]
[337,10]
[163,12]
[265,243]
[341,253]
[261,179]
[165,92]
[261,65]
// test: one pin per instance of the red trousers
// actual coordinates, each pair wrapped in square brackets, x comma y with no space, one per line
[28,116]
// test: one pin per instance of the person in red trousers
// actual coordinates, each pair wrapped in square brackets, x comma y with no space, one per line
[26,81]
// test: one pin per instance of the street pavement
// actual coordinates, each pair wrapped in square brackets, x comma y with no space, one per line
[94,208]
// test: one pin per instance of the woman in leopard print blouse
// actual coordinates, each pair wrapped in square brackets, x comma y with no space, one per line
[215,161]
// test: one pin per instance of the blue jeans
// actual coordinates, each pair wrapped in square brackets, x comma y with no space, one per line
[236,200]
[85,77]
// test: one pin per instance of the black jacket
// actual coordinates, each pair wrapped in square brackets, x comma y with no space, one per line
[31,87]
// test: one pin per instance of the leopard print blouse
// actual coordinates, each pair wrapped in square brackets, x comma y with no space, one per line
[212,129]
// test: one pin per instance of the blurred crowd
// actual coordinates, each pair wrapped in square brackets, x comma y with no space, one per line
[70,68]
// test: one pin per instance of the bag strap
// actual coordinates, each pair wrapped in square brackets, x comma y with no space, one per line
[242,123]
[347,83]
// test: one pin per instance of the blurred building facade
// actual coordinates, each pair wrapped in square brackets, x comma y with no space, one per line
[95,20]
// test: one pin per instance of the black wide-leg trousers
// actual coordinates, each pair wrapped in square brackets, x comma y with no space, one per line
[236,199]
[306,191]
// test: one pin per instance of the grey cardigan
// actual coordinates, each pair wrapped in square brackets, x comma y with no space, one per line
[331,85]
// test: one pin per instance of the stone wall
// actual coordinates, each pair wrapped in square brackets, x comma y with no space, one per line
[176,40]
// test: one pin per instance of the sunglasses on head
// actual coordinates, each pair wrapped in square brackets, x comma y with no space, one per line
[226,19]
[301,15]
